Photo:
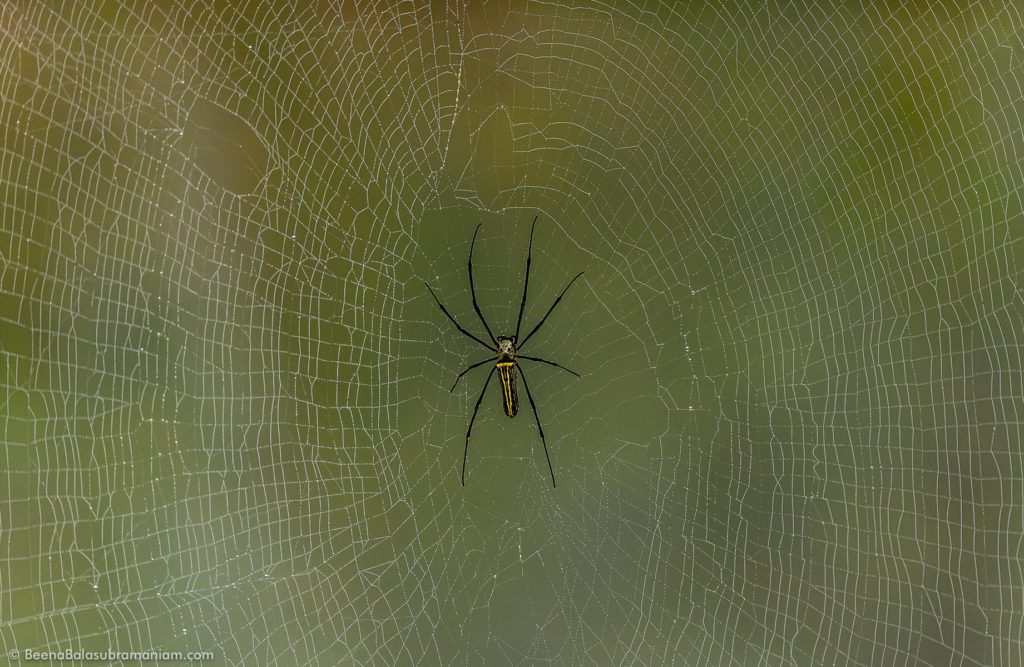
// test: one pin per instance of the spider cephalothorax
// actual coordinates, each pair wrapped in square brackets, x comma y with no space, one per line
[507,349]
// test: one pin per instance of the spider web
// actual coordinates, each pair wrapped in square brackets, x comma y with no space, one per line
[226,414]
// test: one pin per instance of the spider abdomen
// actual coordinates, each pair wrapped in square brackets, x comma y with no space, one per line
[509,398]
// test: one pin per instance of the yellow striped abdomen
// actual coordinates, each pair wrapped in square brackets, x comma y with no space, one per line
[509,399]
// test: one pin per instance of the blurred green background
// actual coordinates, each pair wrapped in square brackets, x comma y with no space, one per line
[226,415]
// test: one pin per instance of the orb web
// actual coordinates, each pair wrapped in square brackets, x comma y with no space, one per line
[227,418]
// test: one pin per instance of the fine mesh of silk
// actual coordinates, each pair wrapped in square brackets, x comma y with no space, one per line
[226,416]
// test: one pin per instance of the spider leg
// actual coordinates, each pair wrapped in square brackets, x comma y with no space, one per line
[472,287]
[545,318]
[465,452]
[449,315]
[544,361]
[479,363]
[539,428]
[526,281]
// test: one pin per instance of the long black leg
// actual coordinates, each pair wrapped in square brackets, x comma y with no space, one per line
[543,361]
[526,281]
[472,287]
[476,365]
[544,319]
[537,417]
[457,325]
[465,452]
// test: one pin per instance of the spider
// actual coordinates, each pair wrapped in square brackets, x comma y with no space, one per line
[507,349]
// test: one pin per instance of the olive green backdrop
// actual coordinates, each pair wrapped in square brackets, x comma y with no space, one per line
[224,389]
